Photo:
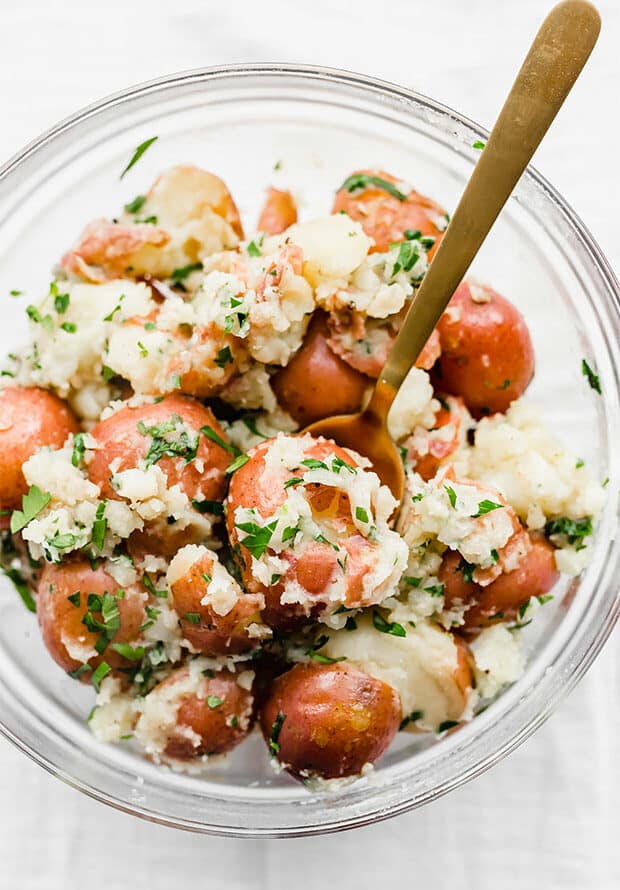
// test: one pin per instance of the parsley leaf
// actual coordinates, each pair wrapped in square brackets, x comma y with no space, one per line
[451,494]
[362,180]
[214,701]
[593,378]
[257,537]
[485,507]
[163,444]
[32,504]
[136,205]
[387,627]
[575,530]
[210,433]
[22,588]
[276,729]
[138,154]
[238,462]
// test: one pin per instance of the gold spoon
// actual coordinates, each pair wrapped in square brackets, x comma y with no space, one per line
[556,57]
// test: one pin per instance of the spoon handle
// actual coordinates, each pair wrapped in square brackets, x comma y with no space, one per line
[556,57]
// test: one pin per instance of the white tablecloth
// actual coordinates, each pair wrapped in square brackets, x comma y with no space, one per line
[548,816]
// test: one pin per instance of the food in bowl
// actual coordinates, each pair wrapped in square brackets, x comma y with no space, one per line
[208,567]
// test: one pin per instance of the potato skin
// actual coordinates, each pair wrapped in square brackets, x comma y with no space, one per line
[30,417]
[535,575]
[61,621]
[119,437]
[336,719]
[214,634]
[251,487]
[440,449]
[213,725]
[317,383]
[487,355]
[384,218]
[278,213]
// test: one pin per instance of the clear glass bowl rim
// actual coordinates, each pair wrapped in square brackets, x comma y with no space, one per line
[596,636]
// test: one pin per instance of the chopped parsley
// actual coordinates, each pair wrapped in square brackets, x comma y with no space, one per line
[216,508]
[435,589]
[412,718]
[35,316]
[254,249]
[575,530]
[363,180]
[478,144]
[224,357]
[587,372]
[184,272]
[408,256]
[238,462]
[148,583]
[294,480]
[467,569]
[276,729]
[192,617]
[131,653]
[69,327]
[451,494]
[313,464]
[446,725]
[143,350]
[78,449]
[210,433]
[485,507]
[214,701]
[107,373]
[387,627]
[32,504]
[100,526]
[257,537]
[61,301]
[136,205]
[164,445]
[361,515]
[315,655]
[138,154]
[250,422]
[100,674]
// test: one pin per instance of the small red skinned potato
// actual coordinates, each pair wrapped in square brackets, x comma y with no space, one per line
[384,216]
[329,720]
[189,715]
[278,213]
[487,356]
[312,572]
[317,383]
[535,575]
[163,434]
[83,614]
[225,622]
[29,419]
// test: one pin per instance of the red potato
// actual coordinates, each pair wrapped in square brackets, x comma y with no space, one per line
[214,714]
[254,486]
[438,447]
[385,218]
[329,720]
[487,355]
[208,631]
[29,419]
[317,383]
[119,438]
[278,213]
[68,640]
[535,575]
[365,343]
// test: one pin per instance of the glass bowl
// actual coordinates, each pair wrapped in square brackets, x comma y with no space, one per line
[308,128]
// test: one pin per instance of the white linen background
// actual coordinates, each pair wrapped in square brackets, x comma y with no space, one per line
[547,817]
